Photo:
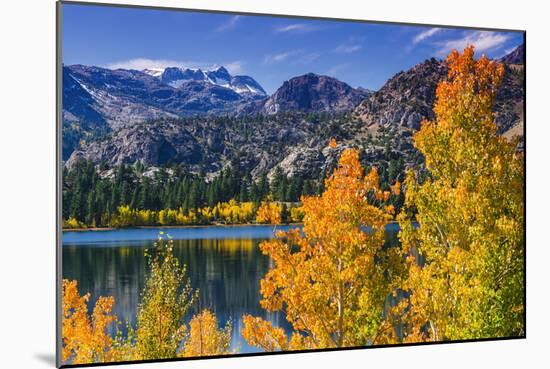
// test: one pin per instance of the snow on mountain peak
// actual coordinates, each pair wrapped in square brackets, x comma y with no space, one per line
[218,75]
[155,72]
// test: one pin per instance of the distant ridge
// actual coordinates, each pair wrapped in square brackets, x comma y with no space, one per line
[517,56]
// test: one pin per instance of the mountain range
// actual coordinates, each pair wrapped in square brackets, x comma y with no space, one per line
[206,119]
[177,77]
[97,100]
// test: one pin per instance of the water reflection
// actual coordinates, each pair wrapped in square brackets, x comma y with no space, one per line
[227,271]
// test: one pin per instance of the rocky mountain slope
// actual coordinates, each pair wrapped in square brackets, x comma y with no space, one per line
[119,97]
[408,97]
[293,131]
[99,100]
[517,56]
[208,143]
[312,92]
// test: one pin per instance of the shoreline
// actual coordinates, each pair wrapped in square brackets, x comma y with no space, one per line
[99,229]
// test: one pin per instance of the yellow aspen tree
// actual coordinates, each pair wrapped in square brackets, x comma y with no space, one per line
[205,337]
[331,278]
[85,337]
[269,213]
[166,298]
[465,255]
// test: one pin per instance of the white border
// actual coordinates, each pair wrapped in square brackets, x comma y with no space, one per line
[27,154]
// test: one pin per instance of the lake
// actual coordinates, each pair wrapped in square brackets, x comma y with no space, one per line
[223,262]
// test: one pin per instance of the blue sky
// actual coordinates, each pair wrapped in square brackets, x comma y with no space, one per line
[270,49]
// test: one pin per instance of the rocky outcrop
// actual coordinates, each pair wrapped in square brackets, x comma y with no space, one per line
[302,161]
[408,97]
[207,144]
[314,93]
[153,145]
[509,103]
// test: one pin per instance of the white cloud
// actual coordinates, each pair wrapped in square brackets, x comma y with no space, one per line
[296,27]
[229,24]
[504,53]
[235,67]
[143,63]
[347,48]
[298,57]
[508,51]
[276,58]
[289,28]
[483,41]
[425,34]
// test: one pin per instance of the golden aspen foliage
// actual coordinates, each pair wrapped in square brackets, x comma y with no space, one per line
[166,298]
[73,223]
[465,257]
[205,337]
[332,278]
[396,188]
[296,214]
[85,337]
[260,333]
[231,212]
[269,213]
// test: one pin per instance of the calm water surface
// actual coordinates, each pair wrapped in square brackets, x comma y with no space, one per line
[224,263]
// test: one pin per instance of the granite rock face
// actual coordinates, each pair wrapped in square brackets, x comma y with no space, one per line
[153,145]
[314,93]
[408,97]
[207,144]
